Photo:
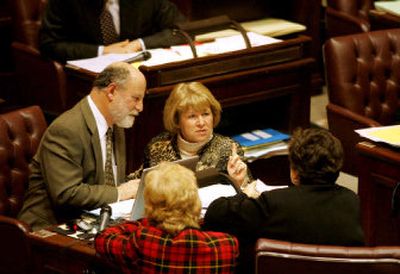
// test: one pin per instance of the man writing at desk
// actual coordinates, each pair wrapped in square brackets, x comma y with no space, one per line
[76,29]
[80,163]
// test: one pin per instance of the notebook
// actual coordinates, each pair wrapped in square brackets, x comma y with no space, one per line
[138,206]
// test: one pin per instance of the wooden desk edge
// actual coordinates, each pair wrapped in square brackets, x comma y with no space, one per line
[375,150]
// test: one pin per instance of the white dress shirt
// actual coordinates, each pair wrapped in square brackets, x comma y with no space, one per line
[113,7]
[102,127]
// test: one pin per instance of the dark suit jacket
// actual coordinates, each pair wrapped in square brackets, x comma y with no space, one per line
[315,214]
[71,30]
[67,173]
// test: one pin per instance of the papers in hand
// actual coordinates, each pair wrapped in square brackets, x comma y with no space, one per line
[261,186]
[210,193]
[387,134]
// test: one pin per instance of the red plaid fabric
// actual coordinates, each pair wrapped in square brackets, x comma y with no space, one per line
[138,247]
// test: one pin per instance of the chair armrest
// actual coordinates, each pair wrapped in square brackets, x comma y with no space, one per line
[342,123]
[315,252]
[339,23]
[7,221]
[350,117]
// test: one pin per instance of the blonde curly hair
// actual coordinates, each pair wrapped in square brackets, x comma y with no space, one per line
[171,197]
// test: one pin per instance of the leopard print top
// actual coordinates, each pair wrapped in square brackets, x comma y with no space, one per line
[215,154]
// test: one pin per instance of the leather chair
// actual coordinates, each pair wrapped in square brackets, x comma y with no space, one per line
[279,257]
[362,73]
[15,249]
[20,134]
[344,17]
[41,81]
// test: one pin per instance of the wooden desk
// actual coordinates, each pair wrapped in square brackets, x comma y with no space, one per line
[63,254]
[383,20]
[306,12]
[379,173]
[267,86]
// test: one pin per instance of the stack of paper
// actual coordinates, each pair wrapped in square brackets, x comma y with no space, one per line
[262,143]
[120,209]
[387,134]
[224,44]
[97,64]
[267,26]
[175,53]
[392,7]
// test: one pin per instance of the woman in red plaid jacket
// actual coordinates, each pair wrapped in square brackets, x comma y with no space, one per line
[169,240]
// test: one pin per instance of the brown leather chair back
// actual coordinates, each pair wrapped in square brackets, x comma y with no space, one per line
[347,16]
[363,80]
[279,257]
[363,73]
[15,250]
[20,134]
[27,20]
[40,81]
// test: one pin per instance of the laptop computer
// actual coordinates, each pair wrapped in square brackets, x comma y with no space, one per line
[138,206]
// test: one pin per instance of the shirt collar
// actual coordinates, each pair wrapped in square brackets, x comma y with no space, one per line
[101,122]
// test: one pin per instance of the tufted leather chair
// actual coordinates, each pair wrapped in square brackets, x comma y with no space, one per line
[278,257]
[363,80]
[41,81]
[15,250]
[347,16]
[20,134]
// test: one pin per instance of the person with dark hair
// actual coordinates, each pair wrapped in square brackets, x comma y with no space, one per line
[80,163]
[76,29]
[169,239]
[315,210]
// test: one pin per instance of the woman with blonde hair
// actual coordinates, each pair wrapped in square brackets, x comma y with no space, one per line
[191,113]
[169,240]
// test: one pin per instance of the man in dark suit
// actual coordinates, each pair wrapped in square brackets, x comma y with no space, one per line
[72,29]
[315,210]
[69,171]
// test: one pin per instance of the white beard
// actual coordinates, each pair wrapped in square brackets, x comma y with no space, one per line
[126,122]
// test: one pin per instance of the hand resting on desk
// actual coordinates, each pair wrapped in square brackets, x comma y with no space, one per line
[128,190]
[123,47]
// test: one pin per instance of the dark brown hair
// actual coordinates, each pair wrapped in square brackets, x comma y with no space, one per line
[316,155]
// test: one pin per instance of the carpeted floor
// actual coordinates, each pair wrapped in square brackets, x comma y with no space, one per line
[318,118]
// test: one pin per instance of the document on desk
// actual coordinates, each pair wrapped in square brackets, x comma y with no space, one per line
[225,44]
[120,209]
[175,53]
[97,64]
[267,26]
[210,193]
[387,134]
[392,7]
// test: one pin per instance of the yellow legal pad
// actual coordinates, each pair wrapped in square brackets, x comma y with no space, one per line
[389,134]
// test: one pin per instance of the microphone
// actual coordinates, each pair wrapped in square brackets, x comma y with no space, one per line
[143,56]
[105,214]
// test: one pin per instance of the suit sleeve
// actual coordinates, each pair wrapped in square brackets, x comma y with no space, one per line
[238,215]
[166,16]
[68,165]
[56,40]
